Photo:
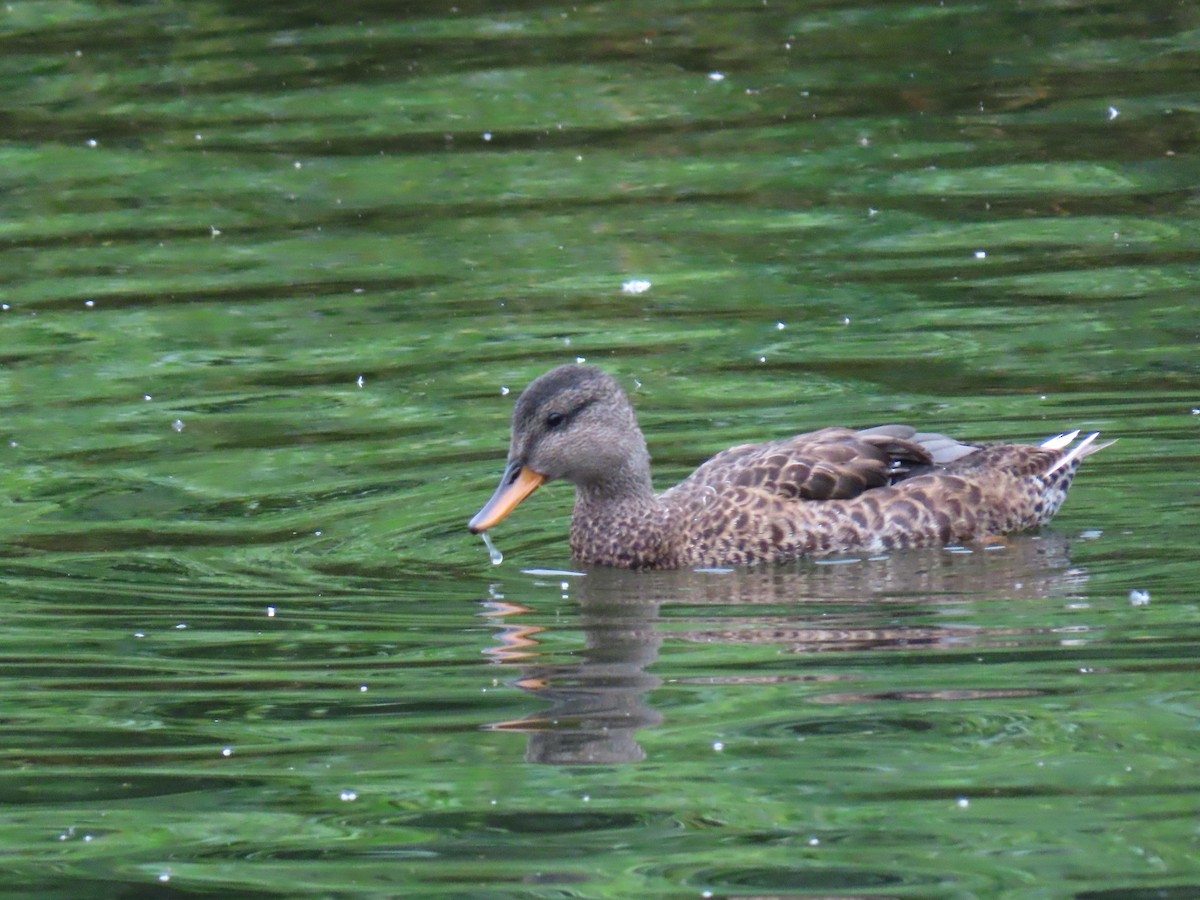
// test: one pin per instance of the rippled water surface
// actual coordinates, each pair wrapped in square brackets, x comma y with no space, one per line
[272,275]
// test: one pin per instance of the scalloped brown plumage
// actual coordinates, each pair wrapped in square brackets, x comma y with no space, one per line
[836,490]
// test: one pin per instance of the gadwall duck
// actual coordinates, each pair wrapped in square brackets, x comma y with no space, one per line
[830,491]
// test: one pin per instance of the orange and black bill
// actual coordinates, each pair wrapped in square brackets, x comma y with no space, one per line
[517,483]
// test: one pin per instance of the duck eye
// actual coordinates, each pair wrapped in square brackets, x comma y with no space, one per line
[554,419]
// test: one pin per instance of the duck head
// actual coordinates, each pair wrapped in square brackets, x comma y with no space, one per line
[574,423]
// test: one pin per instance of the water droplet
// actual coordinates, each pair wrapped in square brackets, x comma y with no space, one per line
[493,552]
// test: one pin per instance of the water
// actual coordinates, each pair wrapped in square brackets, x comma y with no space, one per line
[494,553]
[272,279]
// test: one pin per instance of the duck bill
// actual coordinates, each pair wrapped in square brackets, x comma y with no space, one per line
[517,483]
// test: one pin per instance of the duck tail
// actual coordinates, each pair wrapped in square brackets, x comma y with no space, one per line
[1080,451]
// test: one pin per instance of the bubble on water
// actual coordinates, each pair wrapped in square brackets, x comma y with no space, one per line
[348,796]
[493,551]
[1139,598]
[635,286]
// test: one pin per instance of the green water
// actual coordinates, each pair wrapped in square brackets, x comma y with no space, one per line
[267,272]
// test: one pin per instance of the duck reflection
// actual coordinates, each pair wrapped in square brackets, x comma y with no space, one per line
[599,700]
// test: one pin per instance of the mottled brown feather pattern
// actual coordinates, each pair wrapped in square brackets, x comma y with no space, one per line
[830,491]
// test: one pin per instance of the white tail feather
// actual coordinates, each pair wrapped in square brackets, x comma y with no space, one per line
[1086,447]
[1062,441]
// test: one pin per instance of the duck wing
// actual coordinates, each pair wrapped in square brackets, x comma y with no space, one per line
[830,464]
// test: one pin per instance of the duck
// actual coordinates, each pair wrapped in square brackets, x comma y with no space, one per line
[834,491]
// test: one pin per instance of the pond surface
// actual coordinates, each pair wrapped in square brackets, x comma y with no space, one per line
[272,277]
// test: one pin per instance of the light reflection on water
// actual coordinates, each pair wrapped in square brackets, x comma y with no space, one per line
[914,603]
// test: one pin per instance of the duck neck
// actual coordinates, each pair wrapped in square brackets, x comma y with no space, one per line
[620,492]
[617,521]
